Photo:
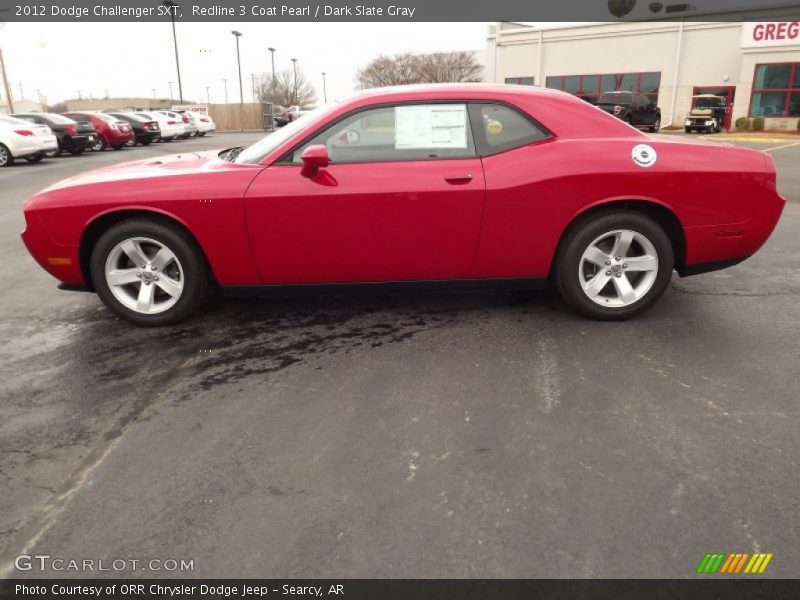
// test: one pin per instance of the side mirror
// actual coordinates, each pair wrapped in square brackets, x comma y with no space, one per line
[314,158]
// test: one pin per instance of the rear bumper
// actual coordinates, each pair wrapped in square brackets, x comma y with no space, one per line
[147,136]
[78,142]
[117,137]
[711,245]
[30,145]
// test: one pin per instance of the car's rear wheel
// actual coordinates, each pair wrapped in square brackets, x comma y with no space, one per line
[149,273]
[614,265]
[118,146]
[6,158]
[656,125]
[34,159]
[52,153]
[76,152]
[201,134]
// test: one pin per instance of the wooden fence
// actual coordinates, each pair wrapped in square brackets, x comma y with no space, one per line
[235,117]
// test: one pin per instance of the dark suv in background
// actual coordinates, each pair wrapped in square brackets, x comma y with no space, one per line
[73,136]
[633,108]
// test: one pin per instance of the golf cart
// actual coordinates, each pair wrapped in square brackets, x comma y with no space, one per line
[707,114]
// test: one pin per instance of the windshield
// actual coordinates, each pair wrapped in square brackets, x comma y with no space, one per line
[256,153]
[13,121]
[708,102]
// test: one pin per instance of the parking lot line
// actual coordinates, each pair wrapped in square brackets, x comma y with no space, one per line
[781,147]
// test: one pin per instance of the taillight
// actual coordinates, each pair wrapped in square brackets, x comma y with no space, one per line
[25,132]
[185,119]
[171,123]
[204,120]
[617,109]
[71,129]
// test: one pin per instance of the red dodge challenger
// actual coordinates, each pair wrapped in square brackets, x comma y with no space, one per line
[462,183]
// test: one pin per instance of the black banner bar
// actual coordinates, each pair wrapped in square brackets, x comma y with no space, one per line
[403,589]
[397,10]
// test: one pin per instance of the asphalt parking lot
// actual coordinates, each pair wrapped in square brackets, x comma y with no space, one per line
[477,435]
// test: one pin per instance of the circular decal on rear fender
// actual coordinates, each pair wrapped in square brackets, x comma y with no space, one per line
[644,155]
[494,127]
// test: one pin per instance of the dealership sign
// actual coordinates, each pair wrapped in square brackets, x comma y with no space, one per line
[761,35]
[195,108]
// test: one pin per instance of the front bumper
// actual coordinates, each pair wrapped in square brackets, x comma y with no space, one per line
[62,262]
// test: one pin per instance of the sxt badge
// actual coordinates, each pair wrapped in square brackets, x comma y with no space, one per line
[644,155]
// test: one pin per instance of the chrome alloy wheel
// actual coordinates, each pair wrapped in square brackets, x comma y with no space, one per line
[144,275]
[618,268]
[3,156]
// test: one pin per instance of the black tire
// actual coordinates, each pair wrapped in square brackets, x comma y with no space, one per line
[201,134]
[118,146]
[147,143]
[97,146]
[6,158]
[579,237]
[76,152]
[687,130]
[52,153]
[655,126]
[196,275]
[34,159]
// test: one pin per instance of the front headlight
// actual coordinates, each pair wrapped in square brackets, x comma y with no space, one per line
[687,122]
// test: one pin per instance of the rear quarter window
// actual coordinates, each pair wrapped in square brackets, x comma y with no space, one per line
[504,128]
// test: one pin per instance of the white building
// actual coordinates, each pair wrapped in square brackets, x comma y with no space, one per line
[755,65]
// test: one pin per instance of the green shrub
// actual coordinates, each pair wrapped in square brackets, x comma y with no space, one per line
[743,123]
[758,124]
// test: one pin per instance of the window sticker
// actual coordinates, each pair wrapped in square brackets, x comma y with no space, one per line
[431,126]
[494,127]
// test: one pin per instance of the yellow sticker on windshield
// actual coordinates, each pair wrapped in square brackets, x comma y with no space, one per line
[494,127]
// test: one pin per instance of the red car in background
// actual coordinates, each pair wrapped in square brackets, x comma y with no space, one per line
[111,131]
[418,184]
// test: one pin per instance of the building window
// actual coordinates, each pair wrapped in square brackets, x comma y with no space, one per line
[776,90]
[590,87]
[520,80]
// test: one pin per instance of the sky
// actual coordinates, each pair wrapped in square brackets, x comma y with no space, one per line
[130,59]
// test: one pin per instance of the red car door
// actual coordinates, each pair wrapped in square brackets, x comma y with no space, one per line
[393,204]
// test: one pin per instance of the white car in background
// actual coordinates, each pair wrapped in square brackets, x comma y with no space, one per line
[22,139]
[171,128]
[189,129]
[205,124]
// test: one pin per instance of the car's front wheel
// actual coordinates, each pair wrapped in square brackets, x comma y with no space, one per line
[614,265]
[98,145]
[150,273]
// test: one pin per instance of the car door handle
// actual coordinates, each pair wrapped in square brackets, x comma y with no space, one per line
[458,177]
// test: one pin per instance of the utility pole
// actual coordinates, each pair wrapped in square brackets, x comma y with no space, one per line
[225,83]
[237,35]
[172,6]
[208,93]
[324,90]
[294,92]
[272,56]
[21,95]
[170,93]
[253,83]
[9,99]
[154,98]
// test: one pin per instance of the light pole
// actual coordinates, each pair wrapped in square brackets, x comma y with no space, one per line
[170,93]
[225,83]
[237,35]
[324,90]
[9,100]
[208,94]
[172,7]
[154,97]
[294,92]
[272,56]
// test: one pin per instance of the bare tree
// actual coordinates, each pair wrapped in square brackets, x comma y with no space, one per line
[285,91]
[404,69]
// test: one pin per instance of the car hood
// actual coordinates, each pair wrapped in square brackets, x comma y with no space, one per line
[161,166]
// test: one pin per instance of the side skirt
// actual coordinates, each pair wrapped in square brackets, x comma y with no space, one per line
[457,285]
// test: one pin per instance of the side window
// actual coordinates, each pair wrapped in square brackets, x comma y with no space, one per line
[504,128]
[398,133]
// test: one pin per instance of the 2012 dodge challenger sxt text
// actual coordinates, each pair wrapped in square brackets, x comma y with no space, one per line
[415,184]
